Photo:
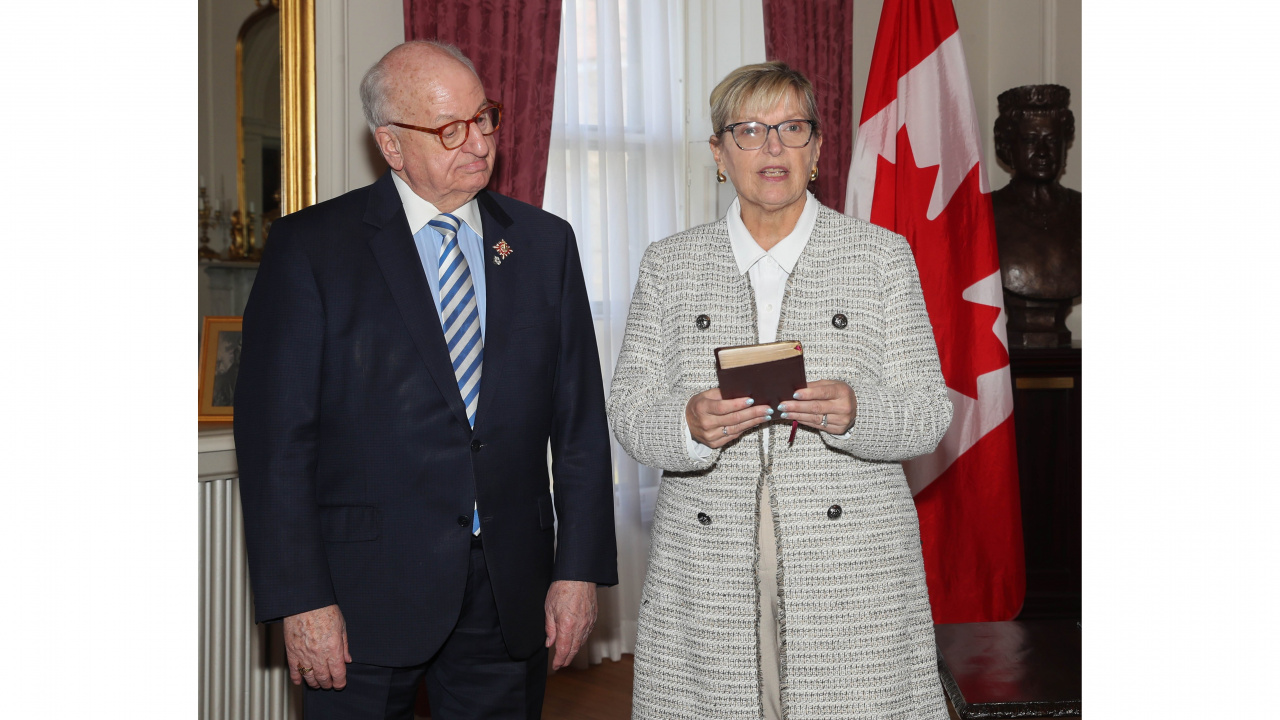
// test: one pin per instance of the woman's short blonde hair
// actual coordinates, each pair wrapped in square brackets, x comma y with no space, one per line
[757,88]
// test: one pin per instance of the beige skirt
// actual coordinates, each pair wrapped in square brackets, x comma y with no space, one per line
[770,639]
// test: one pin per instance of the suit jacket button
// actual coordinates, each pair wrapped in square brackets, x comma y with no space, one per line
[476,445]
[704,322]
[704,518]
[834,512]
[464,521]
[839,321]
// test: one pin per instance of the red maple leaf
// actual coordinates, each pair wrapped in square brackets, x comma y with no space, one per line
[953,251]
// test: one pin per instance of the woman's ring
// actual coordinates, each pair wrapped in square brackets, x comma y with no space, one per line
[724,429]
[304,670]
[824,420]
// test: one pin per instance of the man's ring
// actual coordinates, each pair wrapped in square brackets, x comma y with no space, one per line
[724,429]
[824,420]
[304,670]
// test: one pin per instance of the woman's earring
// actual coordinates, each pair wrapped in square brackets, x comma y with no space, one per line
[720,178]
[813,175]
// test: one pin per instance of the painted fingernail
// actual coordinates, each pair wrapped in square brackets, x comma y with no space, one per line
[751,401]
[782,406]
[768,411]
[795,395]
[784,415]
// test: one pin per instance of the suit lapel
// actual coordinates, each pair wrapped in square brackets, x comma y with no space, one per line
[501,293]
[392,246]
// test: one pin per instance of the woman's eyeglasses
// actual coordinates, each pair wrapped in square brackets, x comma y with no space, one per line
[753,135]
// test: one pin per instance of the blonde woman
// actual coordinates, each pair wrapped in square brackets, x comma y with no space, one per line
[784,580]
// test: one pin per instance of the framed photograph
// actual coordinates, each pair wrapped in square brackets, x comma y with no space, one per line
[219,367]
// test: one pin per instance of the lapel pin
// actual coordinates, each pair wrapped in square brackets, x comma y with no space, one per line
[503,250]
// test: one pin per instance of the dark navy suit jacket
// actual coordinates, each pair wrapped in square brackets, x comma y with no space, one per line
[358,468]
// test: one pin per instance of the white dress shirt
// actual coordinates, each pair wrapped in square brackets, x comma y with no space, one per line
[428,239]
[768,271]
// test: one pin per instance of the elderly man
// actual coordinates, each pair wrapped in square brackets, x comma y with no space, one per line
[409,350]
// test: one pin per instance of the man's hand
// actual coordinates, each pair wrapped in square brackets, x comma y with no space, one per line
[715,422]
[832,398]
[571,613]
[317,640]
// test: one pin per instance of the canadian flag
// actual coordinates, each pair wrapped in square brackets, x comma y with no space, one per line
[917,170]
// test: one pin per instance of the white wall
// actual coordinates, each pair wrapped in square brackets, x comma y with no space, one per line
[1007,43]
[351,35]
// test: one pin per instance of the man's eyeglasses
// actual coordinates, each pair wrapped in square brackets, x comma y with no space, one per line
[455,133]
[753,135]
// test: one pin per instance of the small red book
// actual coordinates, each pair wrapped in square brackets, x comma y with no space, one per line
[768,373]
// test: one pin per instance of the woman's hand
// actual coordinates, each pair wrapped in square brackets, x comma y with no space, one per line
[830,398]
[715,422]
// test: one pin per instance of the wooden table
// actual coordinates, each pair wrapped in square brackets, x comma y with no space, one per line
[1016,669]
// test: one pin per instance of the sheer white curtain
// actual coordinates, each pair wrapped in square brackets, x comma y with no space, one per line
[616,172]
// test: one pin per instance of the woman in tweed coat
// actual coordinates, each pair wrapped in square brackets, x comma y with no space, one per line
[784,581]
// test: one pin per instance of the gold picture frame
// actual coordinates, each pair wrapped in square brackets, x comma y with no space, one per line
[297,104]
[219,367]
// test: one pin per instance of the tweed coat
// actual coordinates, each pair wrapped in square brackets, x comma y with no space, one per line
[857,635]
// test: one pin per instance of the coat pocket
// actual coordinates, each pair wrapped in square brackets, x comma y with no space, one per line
[546,515]
[350,523]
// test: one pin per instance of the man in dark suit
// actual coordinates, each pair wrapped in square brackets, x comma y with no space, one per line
[410,348]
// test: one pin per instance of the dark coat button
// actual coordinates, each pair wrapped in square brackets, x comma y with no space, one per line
[834,512]
[839,321]
[464,521]
[704,518]
[476,445]
[704,322]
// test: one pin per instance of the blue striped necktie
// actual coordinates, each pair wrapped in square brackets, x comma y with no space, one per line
[460,319]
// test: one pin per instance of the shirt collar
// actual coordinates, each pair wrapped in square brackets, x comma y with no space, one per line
[747,252]
[420,212]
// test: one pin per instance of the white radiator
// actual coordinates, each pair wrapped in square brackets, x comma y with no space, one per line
[243,675]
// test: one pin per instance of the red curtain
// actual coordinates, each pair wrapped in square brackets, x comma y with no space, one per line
[816,38]
[514,45]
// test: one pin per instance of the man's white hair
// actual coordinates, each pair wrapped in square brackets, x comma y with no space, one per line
[373,88]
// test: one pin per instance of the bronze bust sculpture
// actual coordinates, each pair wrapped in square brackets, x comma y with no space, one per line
[1037,219]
